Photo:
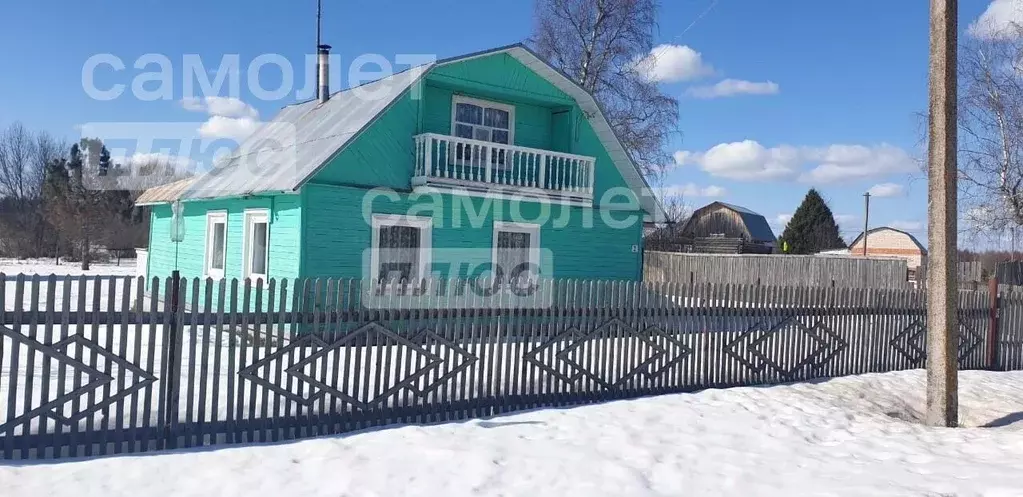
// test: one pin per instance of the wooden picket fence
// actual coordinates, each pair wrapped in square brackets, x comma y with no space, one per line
[96,365]
[775,270]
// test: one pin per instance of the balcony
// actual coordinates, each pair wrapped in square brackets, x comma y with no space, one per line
[487,167]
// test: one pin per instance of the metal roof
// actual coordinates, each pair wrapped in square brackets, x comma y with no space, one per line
[164,193]
[738,208]
[757,225]
[286,152]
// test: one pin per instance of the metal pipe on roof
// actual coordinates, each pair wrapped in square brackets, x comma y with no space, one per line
[324,70]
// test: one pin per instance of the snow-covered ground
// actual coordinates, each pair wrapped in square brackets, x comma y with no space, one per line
[847,436]
[45,267]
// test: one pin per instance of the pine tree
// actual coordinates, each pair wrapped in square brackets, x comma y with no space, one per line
[812,227]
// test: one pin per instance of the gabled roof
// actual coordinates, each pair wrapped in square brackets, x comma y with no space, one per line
[916,242]
[757,225]
[288,151]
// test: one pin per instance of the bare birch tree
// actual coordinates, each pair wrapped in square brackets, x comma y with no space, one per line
[991,132]
[598,44]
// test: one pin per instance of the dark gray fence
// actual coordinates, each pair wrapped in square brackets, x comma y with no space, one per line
[775,270]
[1010,273]
[93,366]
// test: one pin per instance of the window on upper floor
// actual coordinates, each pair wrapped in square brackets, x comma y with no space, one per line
[482,120]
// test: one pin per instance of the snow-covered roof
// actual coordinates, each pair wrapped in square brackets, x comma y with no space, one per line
[289,150]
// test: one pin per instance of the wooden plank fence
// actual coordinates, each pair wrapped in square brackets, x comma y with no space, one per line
[775,270]
[1010,273]
[92,366]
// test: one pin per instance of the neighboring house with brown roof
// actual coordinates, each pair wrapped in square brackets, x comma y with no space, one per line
[890,242]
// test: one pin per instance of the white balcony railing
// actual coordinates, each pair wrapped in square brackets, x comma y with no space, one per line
[452,161]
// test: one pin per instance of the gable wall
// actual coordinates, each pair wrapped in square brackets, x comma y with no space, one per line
[546,118]
[890,243]
[716,220]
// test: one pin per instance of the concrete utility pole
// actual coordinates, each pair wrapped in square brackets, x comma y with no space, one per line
[866,220]
[942,282]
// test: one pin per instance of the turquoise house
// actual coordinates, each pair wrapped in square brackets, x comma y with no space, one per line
[451,169]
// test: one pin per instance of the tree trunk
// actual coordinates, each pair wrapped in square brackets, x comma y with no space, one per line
[85,252]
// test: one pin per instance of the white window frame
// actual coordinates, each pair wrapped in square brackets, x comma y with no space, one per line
[531,229]
[253,216]
[213,218]
[510,109]
[424,224]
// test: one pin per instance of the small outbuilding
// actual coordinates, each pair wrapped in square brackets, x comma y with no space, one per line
[720,228]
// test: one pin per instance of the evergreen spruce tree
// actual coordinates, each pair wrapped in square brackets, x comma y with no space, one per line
[812,227]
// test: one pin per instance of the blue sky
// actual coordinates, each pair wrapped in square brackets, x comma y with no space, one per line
[806,92]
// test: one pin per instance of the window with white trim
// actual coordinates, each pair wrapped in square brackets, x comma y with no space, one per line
[256,252]
[400,248]
[216,244]
[516,251]
[482,120]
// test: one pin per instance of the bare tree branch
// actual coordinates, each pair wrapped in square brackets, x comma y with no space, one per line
[598,43]
[991,133]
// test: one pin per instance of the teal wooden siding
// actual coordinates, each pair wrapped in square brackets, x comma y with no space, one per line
[339,234]
[545,118]
[382,155]
[285,237]
[532,122]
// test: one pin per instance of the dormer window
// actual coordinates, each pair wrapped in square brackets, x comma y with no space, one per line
[482,120]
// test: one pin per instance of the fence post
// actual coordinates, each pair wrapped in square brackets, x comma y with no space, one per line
[992,332]
[171,335]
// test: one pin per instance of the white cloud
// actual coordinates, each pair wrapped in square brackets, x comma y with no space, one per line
[745,160]
[910,226]
[1001,20]
[673,63]
[732,87]
[838,163]
[749,160]
[235,128]
[229,117]
[692,190]
[887,190]
[781,220]
[220,106]
[230,107]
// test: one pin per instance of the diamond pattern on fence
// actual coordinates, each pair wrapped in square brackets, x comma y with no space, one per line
[425,352]
[751,348]
[911,342]
[576,355]
[58,404]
